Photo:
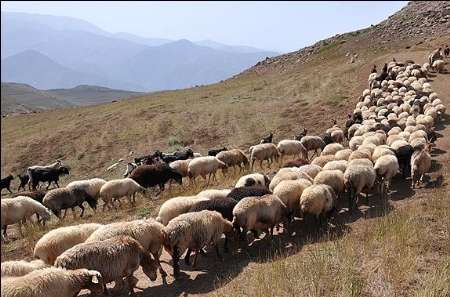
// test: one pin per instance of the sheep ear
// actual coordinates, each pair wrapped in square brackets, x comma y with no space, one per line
[95,279]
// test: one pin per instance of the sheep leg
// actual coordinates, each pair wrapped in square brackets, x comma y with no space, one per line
[195,258]
[4,230]
[20,228]
[225,245]
[218,253]
[82,210]
[65,213]
[175,259]
[161,270]
[255,234]
[9,189]
[261,164]
[48,186]
[187,257]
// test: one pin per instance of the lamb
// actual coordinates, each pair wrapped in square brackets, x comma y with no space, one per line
[223,205]
[386,167]
[357,177]
[91,186]
[64,198]
[118,188]
[239,193]
[289,147]
[295,163]
[203,166]
[332,178]
[148,232]
[331,149]
[262,152]
[20,268]
[55,242]
[343,154]
[312,143]
[52,282]
[253,179]
[322,160]
[5,183]
[289,192]
[318,200]
[176,206]
[336,165]
[259,213]
[17,210]
[214,152]
[193,231]
[420,164]
[234,157]
[158,174]
[114,258]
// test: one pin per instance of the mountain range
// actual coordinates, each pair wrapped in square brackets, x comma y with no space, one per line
[61,52]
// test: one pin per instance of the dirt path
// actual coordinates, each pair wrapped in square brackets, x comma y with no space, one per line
[204,278]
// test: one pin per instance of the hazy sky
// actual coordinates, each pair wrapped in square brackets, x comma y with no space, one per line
[281,26]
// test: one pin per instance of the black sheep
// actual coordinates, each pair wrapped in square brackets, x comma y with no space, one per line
[47,175]
[267,139]
[326,137]
[214,152]
[241,192]
[24,179]
[403,155]
[152,175]
[5,183]
[223,205]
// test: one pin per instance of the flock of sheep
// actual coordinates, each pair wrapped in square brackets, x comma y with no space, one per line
[389,133]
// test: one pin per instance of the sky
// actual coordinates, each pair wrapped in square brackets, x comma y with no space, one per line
[282,26]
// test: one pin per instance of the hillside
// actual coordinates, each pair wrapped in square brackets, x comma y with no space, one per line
[399,248]
[23,98]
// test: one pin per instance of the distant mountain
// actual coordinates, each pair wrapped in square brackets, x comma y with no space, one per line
[17,97]
[141,40]
[71,52]
[229,48]
[33,68]
[24,98]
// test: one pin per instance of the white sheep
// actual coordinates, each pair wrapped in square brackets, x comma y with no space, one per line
[204,166]
[288,147]
[91,186]
[322,160]
[52,282]
[253,179]
[115,258]
[336,165]
[18,209]
[289,192]
[358,176]
[386,167]
[312,143]
[332,178]
[117,188]
[180,166]
[438,66]
[310,169]
[262,152]
[259,213]
[56,241]
[343,154]
[20,268]
[148,232]
[193,231]
[214,194]
[289,173]
[331,149]
[381,150]
[176,206]
[420,164]
[318,200]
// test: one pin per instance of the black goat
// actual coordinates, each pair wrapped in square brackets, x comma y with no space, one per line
[5,183]
[47,175]
[267,139]
[24,179]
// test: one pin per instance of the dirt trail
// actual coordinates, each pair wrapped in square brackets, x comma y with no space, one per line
[204,278]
